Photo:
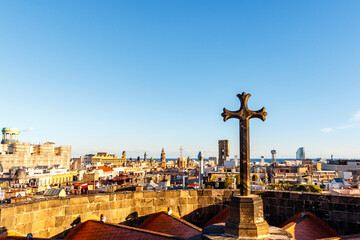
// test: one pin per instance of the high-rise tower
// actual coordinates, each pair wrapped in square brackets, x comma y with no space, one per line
[300,154]
[273,155]
[163,159]
[224,151]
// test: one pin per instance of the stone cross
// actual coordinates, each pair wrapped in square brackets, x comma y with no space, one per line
[244,114]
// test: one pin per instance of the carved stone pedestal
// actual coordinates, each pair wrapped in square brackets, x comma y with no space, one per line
[247,218]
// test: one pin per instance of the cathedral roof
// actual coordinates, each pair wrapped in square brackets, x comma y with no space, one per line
[169,224]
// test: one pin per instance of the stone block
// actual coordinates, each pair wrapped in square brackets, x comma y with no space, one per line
[78,209]
[171,202]
[50,223]
[339,207]
[183,201]
[335,199]
[125,203]
[160,202]
[352,208]
[44,233]
[114,205]
[148,202]
[135,202]
[138,195]
[150,194]
[193,193]
[42,214]
[143,211]
[38,225]
[170,194]
[24,218]
[7,212]
[65,201]
[35,206]
[20,228]
[184,193]
[8,220]
[59,221]
[78,200]
[54,212]
[20,209]
[193,201]
[103,206]
[54,203]
[68,211]
[28,228]
[303,196]
[204,201]
[120,196]
[112,197]
[43,205]
[53,232]
[129,195]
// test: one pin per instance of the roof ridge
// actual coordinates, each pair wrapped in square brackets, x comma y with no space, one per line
[153,216]
[138,229]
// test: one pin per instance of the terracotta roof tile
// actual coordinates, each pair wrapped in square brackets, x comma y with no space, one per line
[221,217]
[105,169]
[91,230]
[306,226]
[169,224]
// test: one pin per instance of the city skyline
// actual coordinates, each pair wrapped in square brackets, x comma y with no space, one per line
[124,76]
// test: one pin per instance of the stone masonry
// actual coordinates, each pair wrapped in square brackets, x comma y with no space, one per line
[50,217]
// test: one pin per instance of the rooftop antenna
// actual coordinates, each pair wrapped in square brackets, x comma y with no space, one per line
[181,151]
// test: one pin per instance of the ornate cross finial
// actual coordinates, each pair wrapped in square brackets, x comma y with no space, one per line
[244,114]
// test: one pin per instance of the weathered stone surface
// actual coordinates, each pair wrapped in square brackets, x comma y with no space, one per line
[246,217]
[197,206]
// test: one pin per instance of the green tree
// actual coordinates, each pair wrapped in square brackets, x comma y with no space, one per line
[228,181]
[315,188]
[237,179]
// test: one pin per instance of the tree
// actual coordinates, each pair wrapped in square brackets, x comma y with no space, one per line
[315,188]
[228,181]
[237,179]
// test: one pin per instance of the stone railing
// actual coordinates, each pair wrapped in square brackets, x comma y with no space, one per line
[51,217]
[341,212]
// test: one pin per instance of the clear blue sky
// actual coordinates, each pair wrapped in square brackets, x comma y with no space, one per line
[143,75]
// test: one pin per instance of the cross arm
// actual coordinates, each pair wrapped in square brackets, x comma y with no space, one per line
[261,114]
[230,114]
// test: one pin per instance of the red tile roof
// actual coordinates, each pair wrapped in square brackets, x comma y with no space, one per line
[105,169]
[92,230]
[169,224]
[306,226]
[221,217]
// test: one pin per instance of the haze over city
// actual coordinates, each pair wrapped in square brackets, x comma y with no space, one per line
[142,77]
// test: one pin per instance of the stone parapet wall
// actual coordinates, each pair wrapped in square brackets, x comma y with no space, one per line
[341,212]
[50,217]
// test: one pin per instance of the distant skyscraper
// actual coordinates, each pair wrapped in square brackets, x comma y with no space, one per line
[201,169]
[300,154]
[163,159]
[273,154]
[224,151]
